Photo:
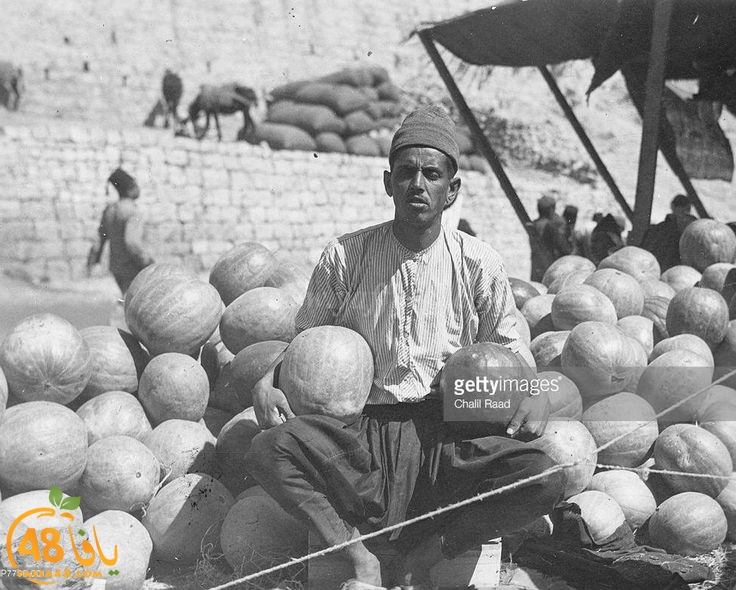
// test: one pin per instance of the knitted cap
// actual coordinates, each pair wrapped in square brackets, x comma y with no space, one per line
[121,180]
[429,127]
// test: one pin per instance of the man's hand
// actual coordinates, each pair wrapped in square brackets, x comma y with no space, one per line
[269,403]
[530,418]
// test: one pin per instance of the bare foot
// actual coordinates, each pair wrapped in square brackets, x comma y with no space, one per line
[368,569]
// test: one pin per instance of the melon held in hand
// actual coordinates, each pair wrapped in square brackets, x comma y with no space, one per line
[482,386]
[327,370]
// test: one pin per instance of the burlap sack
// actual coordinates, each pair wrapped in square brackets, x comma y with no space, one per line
[312,118]
[284,137]
[340,98]
[362,145]
[330,142]
[358,123]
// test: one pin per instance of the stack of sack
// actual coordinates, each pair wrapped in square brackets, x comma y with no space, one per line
[352,111]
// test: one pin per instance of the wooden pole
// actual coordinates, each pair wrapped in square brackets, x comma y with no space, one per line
[651,124]
[480,138]
[585,140]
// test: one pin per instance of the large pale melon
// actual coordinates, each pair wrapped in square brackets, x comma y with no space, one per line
[258,533]
[568,441]
[629,491]
[182,513]
[327,370]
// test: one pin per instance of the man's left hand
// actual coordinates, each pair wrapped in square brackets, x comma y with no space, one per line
[530,418]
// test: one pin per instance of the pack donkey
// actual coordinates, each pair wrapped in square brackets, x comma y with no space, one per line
[225,99]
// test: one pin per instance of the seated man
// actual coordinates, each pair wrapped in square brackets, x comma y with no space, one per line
[417,293]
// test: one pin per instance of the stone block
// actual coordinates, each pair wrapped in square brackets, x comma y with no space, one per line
[72,229]
[213,161]
[57,268]
[241,181]
[77,248]
[10,209]
[193,176]
[200,247]
[177,176]
[177,157]
[219,197]
[189,212]
[215,178]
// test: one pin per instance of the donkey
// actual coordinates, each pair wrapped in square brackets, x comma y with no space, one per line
[221,100]
[167,105]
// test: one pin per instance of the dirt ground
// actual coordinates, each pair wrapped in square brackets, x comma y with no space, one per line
[88,302]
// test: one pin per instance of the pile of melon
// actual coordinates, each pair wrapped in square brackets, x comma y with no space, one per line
[150,426]
[643,349]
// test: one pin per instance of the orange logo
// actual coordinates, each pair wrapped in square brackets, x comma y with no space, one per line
[44,546]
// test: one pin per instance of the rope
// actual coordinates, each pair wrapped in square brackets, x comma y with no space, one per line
[674,406]
[649,470]
[486,495]
[388,529]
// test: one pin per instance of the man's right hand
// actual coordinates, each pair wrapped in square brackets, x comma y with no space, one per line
[270,404]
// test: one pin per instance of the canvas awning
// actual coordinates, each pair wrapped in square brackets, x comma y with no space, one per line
[691,39]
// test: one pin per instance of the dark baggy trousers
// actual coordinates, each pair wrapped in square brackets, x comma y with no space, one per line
[394,463]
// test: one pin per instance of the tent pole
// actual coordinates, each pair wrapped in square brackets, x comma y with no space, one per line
[648,150]
[670,153]
[585,140]
[480,138]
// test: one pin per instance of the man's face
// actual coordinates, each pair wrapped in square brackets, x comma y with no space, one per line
[421,185]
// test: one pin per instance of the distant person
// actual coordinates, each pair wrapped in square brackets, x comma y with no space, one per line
[123,227]
[663,239]
[607,237]
[552,242]
[570,215]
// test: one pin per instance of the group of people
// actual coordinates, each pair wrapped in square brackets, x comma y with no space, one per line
[552,236]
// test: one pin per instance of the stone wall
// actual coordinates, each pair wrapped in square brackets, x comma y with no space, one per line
[200,198]
[261,43]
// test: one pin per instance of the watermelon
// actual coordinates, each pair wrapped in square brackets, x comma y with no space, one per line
[705,242]
[327,370]
[689,523]
[263,313]
[169,309]
[637,262]
[690,449]
[242,268]
[45,358]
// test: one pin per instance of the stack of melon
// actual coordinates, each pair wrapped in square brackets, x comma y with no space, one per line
[638,344]
[150,427]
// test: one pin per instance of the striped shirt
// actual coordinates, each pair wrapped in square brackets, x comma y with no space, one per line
[413,308]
